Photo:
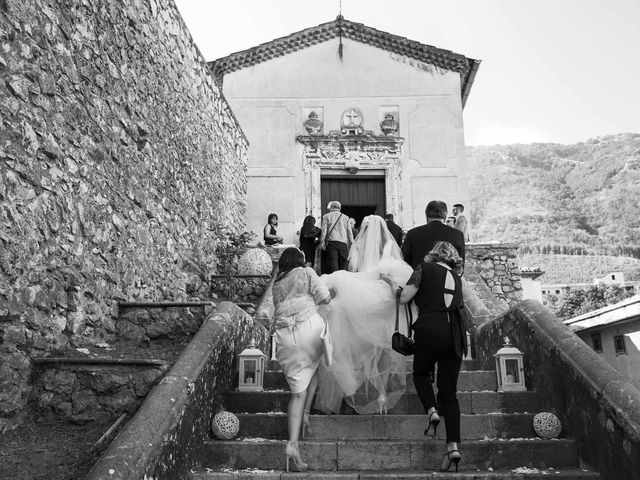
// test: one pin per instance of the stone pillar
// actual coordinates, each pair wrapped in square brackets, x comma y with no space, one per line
[497,265]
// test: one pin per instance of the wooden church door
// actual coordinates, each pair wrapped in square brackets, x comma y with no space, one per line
[359,196]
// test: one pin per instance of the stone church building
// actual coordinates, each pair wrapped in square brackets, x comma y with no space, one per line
[342,111]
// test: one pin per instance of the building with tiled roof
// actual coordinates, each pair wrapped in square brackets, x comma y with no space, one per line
[341,28]
[342,111]
[614,333]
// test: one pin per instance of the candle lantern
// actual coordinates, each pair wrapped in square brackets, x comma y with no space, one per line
[251,369]
[509,368]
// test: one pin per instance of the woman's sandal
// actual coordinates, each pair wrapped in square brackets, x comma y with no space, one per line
[452,456]
[434,421]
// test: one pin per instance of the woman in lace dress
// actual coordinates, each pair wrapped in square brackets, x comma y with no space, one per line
[296,292]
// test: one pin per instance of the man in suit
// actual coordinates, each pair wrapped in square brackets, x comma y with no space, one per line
[461,220]
[420,240]
[394,228]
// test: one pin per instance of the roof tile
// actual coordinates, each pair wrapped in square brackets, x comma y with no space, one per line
[446,59]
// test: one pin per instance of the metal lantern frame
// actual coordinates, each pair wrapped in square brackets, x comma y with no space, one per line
[510,368]
[251,364]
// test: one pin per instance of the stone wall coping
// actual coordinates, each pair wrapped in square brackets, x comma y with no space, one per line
[98,361]
[622,397]
[239,276]
[141,440]
[504,245]
[165,304]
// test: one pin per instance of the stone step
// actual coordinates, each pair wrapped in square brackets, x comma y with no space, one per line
[409,404]
[387,427]
[391,454]
[469,380]
[531,474]
[469,364]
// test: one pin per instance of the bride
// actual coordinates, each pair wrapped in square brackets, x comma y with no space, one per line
[366,372]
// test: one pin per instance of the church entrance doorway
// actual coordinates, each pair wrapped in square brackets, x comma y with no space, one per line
[359,195]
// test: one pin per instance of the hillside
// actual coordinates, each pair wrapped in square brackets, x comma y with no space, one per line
[553,198]
[579,268]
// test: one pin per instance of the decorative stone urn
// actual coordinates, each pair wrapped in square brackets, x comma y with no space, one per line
[389,126]
[312,125]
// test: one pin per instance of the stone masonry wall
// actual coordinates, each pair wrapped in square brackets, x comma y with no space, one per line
[122,169]
[497,265]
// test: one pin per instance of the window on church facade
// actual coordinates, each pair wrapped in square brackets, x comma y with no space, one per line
[596,341]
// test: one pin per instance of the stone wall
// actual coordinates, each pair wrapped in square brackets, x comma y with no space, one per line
[497,265]
[597,406]
[144,324]
[165,438]
[240,288]
[122,169]
[82,393]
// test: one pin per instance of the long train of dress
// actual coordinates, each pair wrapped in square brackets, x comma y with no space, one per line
[366,372]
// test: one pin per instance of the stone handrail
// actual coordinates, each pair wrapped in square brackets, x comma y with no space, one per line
[598,407]
[165,438]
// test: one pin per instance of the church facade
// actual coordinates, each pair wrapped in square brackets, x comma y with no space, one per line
[346,112]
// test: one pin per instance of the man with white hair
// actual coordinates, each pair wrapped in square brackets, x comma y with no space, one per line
[336,237]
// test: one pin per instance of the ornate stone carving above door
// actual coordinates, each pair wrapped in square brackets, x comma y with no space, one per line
[353,154]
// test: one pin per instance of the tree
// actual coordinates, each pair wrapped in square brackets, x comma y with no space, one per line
[580,301]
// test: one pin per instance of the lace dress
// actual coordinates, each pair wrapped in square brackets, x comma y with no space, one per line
[298,325]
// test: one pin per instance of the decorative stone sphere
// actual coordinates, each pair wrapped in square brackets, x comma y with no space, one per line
[255,261]
[225,425]
[547,425]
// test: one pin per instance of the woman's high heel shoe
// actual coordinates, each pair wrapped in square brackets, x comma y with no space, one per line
[306,424]
[292,452]
[452,456]
[382,403]
[434,421]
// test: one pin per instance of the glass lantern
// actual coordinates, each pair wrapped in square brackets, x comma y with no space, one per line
[251,369]
[509,368]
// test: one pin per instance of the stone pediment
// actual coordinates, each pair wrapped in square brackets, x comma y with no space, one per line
[338,143]
[341,28]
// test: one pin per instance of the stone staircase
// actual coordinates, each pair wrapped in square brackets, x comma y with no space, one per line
[498,441]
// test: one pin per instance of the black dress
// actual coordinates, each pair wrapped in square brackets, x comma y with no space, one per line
[440,338]
[309,240]
[272,241]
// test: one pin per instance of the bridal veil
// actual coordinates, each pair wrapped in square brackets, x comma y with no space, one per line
[366,372]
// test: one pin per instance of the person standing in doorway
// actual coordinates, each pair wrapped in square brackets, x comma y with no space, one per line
[461,221]
[352,225]
[336,237]
[309,240]
[394,228]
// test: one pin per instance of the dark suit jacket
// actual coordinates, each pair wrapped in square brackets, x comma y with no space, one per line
[395,230]
[420,240]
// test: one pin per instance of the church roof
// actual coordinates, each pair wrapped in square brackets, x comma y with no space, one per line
[445,59]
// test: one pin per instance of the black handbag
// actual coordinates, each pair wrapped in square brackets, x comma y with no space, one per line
[399,342]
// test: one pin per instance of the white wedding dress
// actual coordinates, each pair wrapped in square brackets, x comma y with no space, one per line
[366,372]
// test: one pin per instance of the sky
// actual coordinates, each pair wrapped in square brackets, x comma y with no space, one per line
[558,71]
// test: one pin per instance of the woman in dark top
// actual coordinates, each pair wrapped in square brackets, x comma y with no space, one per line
[309,240]
[440,337]
[271,236]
